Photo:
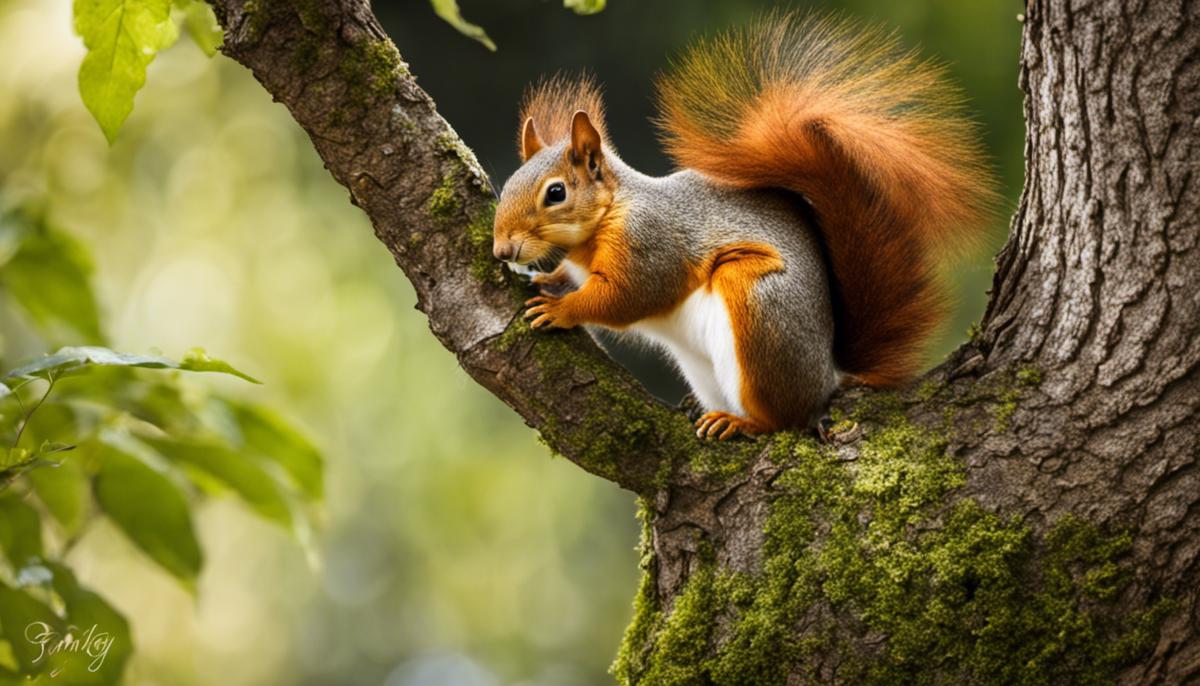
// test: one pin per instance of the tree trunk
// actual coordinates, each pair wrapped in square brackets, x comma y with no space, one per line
[1027,513]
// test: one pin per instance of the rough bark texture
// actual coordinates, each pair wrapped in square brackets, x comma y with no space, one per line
[1027,513]
[1097,287]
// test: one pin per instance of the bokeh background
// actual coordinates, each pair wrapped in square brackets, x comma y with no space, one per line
[453,549]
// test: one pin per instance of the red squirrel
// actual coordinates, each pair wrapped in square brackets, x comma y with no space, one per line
[824,173]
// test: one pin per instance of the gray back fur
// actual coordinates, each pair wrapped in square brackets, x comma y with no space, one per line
[688,215]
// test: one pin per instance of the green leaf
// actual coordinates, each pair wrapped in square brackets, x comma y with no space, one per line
[20,531]
[24,619]
[48,274]
[448,10]
[97,625]
[151,509]
[15,457]
[122,38]
[585,6]
[17,461]
[164,403]
[9,676]
[201,24]
[196,360]
[155,398]
[71,360]
[48,448]
[270,436]
[237,472]
[63,489]
[54,423]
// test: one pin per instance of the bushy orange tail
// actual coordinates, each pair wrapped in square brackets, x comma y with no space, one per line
[872,136]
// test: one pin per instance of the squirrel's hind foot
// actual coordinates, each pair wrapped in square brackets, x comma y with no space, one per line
[723,426]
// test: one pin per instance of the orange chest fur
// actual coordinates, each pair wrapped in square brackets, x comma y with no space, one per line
[730,269]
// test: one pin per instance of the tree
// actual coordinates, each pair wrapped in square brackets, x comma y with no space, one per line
[1027,512]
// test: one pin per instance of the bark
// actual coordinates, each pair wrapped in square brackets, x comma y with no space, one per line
[1075,403]
[1097,287]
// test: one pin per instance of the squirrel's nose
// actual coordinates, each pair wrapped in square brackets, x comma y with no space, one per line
[503,250]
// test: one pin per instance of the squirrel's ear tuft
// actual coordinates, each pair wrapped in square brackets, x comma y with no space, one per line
[585,142]
[531,142]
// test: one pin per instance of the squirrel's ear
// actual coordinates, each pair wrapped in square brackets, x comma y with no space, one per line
[585,142]
[531,142]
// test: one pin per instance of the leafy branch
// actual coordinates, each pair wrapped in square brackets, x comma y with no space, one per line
[123,37]
[28,414]
[117,435]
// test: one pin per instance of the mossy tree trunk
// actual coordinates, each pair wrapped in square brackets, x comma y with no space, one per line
[1028,513]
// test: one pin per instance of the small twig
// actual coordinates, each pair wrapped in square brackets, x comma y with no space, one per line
[29,414]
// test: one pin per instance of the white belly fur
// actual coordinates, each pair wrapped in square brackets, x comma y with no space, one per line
[698,337]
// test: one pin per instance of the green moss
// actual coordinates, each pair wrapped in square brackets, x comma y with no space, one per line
[786,445]
[973,331]
[306,54]
[903,468]
[256,13]
[877,406]
[517,329]
[1010,392]
[593,440]
[623,421]
[444,203]
[842,426]
[479,231]
[837,414]
[370,68]
[310,15]
[1002,389]
[259,13]
[682,643]
[961,594]
[445,142]
[1029,376]
[727,461]
[928,389]
[631,657]
[451,145]
[1006,407]
[445,206]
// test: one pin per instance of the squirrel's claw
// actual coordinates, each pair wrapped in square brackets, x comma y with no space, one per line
[545,312]
[542,321]
[723,426]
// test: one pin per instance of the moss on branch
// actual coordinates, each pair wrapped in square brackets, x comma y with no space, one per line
[895,581]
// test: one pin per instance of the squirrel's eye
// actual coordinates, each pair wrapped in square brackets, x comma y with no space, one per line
[556,193]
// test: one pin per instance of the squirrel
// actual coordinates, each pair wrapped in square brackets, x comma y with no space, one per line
[824,173]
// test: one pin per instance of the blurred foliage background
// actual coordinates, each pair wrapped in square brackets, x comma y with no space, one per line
[453,550]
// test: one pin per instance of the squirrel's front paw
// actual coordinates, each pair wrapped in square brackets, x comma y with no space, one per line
[551,279]
[553,285]
[547,311]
